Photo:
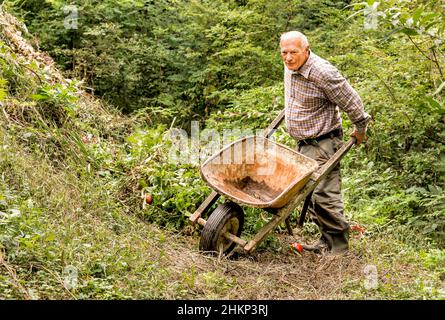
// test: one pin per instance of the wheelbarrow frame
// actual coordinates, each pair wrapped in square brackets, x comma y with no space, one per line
[281,214]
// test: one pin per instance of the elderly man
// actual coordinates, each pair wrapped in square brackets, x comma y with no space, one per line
[314,93]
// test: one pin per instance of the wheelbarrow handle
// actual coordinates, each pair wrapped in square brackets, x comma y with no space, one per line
[351,142]
[268,132]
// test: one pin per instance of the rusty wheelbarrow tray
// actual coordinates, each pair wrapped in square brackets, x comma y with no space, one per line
[257,172]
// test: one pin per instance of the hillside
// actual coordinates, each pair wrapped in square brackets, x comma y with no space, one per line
[75,172]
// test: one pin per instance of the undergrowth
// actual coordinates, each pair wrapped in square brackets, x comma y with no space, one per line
[75,172]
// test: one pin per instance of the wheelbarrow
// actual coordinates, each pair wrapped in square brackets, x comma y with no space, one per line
[257,172]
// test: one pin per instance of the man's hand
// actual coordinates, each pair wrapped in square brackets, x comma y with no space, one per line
[359,136]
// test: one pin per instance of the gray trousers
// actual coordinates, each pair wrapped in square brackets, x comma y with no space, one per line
[326,206]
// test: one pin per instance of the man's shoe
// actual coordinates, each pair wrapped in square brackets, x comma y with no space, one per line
[318,247]
[340,243]
[340,248]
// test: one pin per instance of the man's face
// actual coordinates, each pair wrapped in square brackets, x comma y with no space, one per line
[293,54]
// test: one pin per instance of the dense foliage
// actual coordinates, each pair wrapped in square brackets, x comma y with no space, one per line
[167,63]
[218,61]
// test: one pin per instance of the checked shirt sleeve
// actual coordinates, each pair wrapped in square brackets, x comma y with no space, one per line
[340,92]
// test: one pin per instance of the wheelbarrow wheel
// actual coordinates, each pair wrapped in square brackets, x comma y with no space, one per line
[227,217]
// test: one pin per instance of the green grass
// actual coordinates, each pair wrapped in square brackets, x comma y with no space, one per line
[73,225]
[55,220]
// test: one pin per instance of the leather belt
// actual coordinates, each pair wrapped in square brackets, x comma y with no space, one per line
[331,134]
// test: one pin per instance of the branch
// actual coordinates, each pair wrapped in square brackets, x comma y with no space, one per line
[421,51]
[393,96]
[387,87]
[38,77]
[437,63]
[13,274]
[428,57]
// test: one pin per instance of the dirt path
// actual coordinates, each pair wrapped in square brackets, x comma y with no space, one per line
[265,274]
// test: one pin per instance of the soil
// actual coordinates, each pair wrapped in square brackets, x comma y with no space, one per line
[258,190]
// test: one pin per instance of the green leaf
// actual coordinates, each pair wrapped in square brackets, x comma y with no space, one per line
[143,184]
[434,104]
[435,190]
[38,97]
[409,31]
[51,237]
[417,14]
[3,90]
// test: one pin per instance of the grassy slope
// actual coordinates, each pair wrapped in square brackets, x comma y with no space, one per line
[58,211]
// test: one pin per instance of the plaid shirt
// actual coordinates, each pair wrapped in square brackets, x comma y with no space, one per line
[313,95]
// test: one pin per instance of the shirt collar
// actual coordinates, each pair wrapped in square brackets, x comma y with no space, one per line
[306,67]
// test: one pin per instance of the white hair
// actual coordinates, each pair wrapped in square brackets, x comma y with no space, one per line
[296,35]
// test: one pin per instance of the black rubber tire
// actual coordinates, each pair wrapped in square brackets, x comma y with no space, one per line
[226,217]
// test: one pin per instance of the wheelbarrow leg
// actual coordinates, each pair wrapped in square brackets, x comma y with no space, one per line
[302,215]
[288,226]
[287,221]
[304,210]
[209,201]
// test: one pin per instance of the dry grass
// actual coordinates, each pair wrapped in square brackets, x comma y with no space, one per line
[267,274]
[285,274]
[142,261]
